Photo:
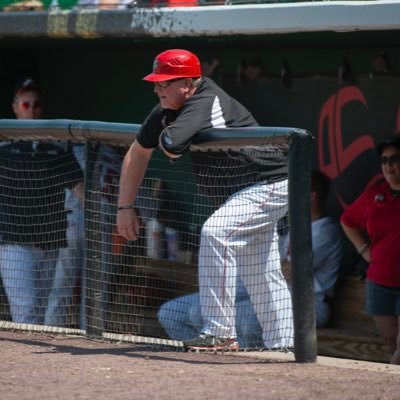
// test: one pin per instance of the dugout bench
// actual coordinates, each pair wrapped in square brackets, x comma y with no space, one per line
[150,283]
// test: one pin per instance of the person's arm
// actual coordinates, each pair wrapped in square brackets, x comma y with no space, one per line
[133,170]
[360,241]
[354,222]
[194,116]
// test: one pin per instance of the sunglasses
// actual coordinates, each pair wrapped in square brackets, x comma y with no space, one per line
[26,105]
[165,84]
[395,159]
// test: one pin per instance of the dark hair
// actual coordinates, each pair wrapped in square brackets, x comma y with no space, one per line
[320,184]
[255,61]
[27,85]
[390,141]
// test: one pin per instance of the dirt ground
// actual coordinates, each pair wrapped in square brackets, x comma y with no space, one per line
[41,366]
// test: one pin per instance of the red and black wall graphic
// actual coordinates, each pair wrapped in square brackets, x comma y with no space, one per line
[346,121]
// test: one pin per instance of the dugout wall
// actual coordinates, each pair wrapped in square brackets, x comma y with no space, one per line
[355,113]
[121,286]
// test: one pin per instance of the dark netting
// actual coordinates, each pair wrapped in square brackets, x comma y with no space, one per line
[64,265]
[37,256]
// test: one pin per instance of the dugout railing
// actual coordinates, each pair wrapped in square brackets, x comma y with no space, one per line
[122,285]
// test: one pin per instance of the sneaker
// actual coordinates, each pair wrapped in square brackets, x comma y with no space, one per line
[209,342]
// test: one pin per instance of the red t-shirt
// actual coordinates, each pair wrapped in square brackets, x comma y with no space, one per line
[377,212]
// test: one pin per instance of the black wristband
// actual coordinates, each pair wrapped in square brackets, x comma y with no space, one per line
[129,206]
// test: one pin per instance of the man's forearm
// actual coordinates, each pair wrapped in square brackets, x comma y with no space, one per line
[133,170]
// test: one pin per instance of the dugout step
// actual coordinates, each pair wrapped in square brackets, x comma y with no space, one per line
[352,333]
[352,345]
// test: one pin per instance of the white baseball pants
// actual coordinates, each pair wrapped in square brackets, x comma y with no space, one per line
[241,238]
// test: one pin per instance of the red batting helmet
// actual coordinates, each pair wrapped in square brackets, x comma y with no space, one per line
[173,64]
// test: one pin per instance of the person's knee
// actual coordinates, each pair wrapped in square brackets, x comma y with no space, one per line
[163,313]
[210,229]
[172,312]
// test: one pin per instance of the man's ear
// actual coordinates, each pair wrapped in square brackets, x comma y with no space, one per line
[189,84]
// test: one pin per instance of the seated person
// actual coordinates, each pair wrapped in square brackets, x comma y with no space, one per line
[327,245]
[181,317]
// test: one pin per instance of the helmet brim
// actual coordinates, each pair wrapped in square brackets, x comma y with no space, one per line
[160,77]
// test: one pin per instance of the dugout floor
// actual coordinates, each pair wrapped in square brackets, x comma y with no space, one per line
[43,366]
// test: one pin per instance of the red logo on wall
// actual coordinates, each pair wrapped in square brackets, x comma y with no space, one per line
[331,137]
[340,157]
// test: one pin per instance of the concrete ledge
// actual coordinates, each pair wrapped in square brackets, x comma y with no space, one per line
[255,19]
[322,360]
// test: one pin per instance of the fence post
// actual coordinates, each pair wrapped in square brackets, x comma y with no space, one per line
[93,295]
[305,338]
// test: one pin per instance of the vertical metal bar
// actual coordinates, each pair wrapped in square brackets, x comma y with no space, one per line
[305,338]
[92,287]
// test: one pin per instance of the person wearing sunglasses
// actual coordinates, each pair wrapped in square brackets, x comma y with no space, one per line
[33,220]
[27,103]
[247,209]
[372,224]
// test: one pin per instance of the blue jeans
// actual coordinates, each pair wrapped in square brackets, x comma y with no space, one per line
[67,272]
[181,319]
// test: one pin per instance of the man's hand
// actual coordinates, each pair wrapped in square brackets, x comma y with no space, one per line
[79,190]
[133,170]
[366,254]
[128,224]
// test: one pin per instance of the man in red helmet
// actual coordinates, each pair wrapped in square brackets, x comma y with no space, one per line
[246,220]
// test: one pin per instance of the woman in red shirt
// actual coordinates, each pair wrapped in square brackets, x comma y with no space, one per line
[372,223]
